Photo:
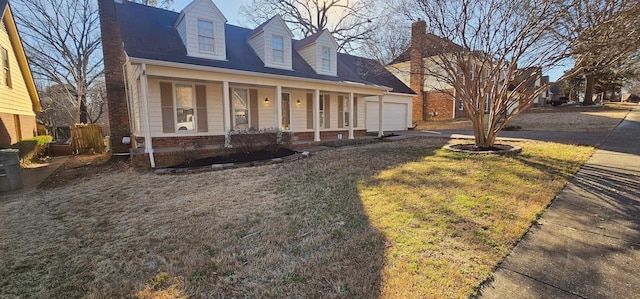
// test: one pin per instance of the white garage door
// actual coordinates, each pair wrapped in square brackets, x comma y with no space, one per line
[395,116]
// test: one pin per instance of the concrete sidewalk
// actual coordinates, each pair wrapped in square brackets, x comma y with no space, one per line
[586,245]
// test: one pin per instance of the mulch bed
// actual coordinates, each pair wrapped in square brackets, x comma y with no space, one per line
[495,149]
[240,157]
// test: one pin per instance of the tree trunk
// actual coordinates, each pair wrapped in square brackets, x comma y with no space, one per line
[588,90]
[84,116]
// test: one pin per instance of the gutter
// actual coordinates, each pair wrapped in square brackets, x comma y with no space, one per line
[254,74]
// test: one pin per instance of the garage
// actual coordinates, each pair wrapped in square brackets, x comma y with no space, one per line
[395,116]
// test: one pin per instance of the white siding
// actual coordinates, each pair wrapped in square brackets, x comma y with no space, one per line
[14,100]
[204,11]
[298,111]
[325,40]
[258,44]
[263,46]
[267,111]
[308,53]
[214,109]
[134,97]
[312,54]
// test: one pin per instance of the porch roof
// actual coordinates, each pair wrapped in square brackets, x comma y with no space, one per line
[149,33]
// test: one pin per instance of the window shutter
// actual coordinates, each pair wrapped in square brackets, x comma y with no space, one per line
[355,112]
[327,111]
[166,98]
[253,108]
[309,111]
[340,112]
[201,108]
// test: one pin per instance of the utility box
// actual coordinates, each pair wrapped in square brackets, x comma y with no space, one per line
[10,171]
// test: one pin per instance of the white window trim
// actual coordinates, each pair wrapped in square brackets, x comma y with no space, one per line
[175,108]
[213,35]
[328,69]
[233,107]
[273,50]
[321,117]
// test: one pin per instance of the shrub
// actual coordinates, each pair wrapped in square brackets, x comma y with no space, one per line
[251,139]
[32,148]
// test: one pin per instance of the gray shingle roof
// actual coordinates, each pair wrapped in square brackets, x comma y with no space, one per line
[149,33]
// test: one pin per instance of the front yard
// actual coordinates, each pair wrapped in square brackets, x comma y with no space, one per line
[395,220]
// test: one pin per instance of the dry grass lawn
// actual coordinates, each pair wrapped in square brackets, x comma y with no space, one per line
[564,118]
[393,220]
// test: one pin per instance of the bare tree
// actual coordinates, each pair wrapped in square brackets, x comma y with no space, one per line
[350,21]
[62,40]
[503,47]
[602,34]
[96,100]
[391,38]
[166,4]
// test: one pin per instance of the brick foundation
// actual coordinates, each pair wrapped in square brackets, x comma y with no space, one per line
[187,141]
[169,151]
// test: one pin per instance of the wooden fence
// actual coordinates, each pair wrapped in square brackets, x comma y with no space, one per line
[87,139]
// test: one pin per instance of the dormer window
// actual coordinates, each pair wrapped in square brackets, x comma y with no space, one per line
[206,42]
[326,58]
[277,43]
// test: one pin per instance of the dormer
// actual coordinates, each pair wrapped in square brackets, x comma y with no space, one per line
[320,51]
[272,42]
[201,28]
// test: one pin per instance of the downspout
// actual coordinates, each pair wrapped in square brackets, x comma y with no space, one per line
[145,103]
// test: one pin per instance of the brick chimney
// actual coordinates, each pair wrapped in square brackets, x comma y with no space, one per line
[416,81]
[114,77]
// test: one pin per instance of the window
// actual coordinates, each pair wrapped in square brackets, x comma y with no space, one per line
[345,108]
[185,108]
[277,43]
[240,108]
[486,104]
[326,58]
[205,36]
[286,111]
[5,68]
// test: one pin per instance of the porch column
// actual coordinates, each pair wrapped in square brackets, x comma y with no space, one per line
[380,131]
[226,114]
[226,107]
[316,115]
[351,124]
[279,107]
[145,106]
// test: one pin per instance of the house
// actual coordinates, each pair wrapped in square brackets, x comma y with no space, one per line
[433,100]
[420,66]
[189,79]
[19,100]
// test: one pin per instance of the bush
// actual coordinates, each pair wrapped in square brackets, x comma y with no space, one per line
[251,140]
[32,148]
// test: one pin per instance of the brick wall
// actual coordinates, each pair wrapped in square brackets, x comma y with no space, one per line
[439,106]
[332,135]
[416,81]
[187,141]
[114,77]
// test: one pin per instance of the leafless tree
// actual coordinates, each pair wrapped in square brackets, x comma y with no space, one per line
[62,40]
[96,100]
[603,36]
[391,38]
[503,47]
[350,21]
[166,4]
